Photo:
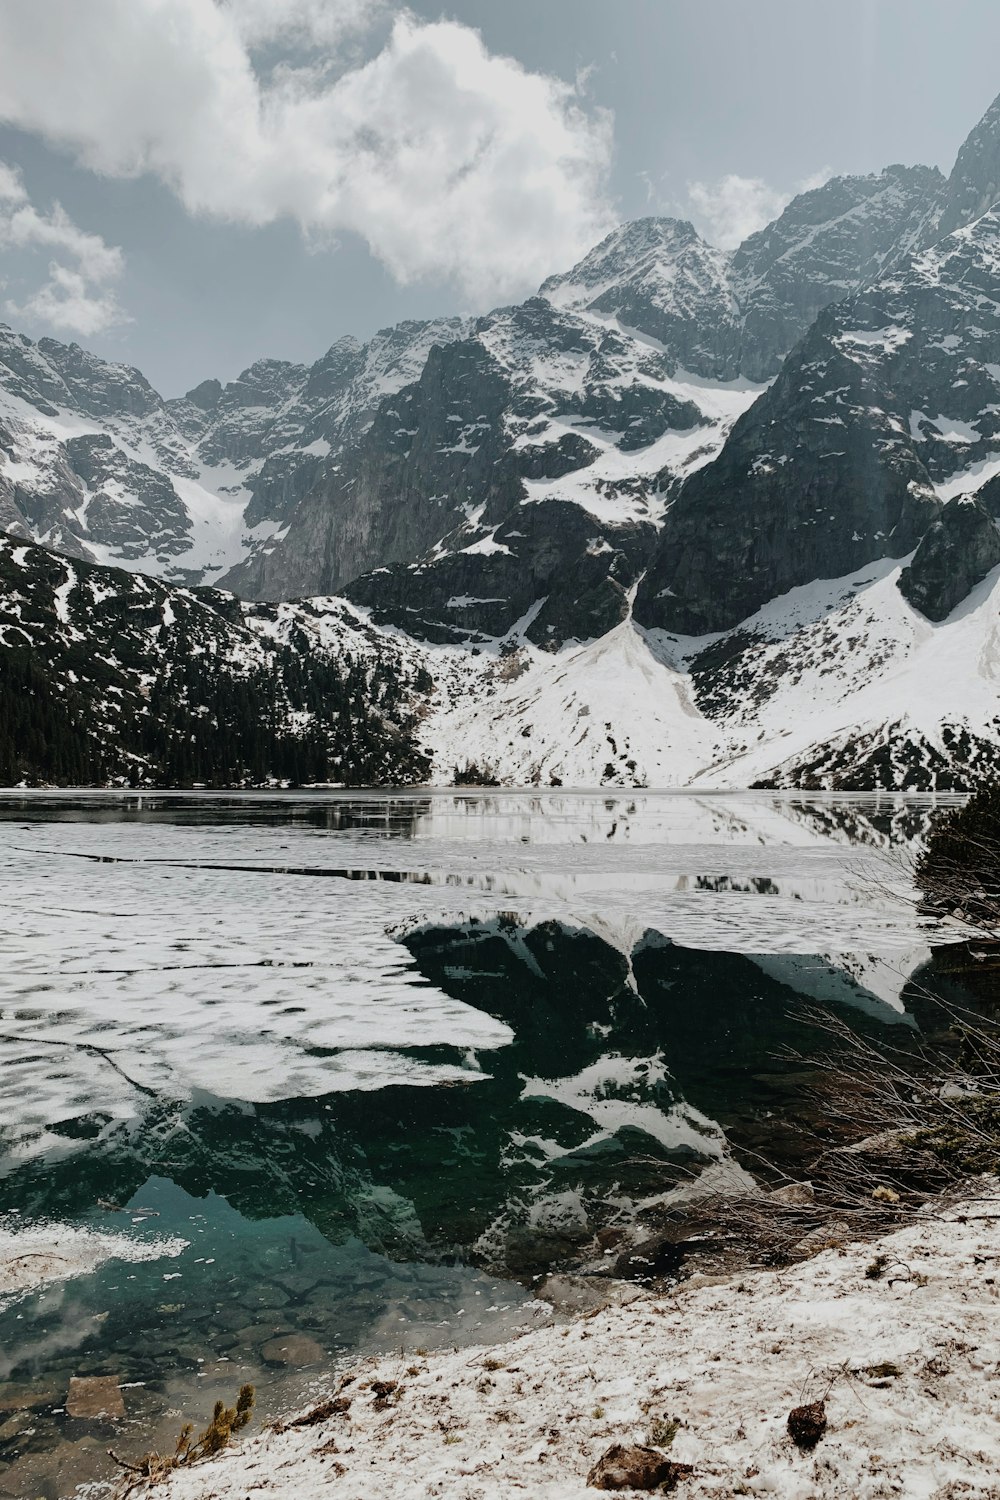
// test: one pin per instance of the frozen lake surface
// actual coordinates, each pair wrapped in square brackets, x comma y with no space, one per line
[381,1060]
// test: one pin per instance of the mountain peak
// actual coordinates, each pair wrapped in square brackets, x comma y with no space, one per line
[622,253]
[974,184]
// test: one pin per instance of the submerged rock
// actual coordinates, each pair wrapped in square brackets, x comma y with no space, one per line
[95,1397]
[575,1294]
[296,1349]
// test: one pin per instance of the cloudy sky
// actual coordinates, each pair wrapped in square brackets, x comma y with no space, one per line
[190,184]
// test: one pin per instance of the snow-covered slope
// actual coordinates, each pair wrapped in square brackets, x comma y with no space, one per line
[839,684]
[94,463]
[718,1367]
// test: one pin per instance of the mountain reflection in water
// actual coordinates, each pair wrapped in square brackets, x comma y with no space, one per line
[377,1121]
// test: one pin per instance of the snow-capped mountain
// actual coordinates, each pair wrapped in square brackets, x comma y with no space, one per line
[683,518]
[726,315]
[889,406]
[603,394]
[94,463]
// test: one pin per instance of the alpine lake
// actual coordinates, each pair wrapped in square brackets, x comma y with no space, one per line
[381,1062]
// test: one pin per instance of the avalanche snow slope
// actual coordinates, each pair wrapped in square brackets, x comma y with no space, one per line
[605,712]
[842,684]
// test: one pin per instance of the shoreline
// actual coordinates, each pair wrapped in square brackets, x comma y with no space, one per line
[336,792]
[907,1360]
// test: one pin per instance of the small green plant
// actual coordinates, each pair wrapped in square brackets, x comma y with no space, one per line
[226,1420]
[597,1413]
[663,1431]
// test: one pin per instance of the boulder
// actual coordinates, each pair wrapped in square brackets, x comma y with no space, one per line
[294,1349]
[634,1468]
[95,1398]
[794,1195]
[659,1256]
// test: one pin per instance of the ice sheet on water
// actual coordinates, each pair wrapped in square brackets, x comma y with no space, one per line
[122,978]
[168,958]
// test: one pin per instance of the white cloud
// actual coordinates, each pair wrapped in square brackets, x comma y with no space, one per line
[729,210]
[74,299]
[450,161]
[68,303]
[815,180]
[323,23]
[12,189]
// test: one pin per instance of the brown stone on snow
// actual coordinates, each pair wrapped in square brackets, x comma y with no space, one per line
[95,1397]
[296,1349]
[807,1424]
[636,1468]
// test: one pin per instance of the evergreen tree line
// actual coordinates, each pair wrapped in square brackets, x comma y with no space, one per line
[202,719]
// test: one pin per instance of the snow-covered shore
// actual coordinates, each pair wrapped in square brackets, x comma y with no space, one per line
[908,1361]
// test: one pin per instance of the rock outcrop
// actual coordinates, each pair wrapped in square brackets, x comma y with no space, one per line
[955,554]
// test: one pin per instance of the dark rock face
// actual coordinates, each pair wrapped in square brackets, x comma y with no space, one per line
[131,507]
[205,396]
[94,386]
[974,184]
[49,375]
[550,557]
[448,459]
[431,451]
[891,390]
[275,426]
[988,495]
[826,243]
[247,408]
[956,553]
[815,481]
